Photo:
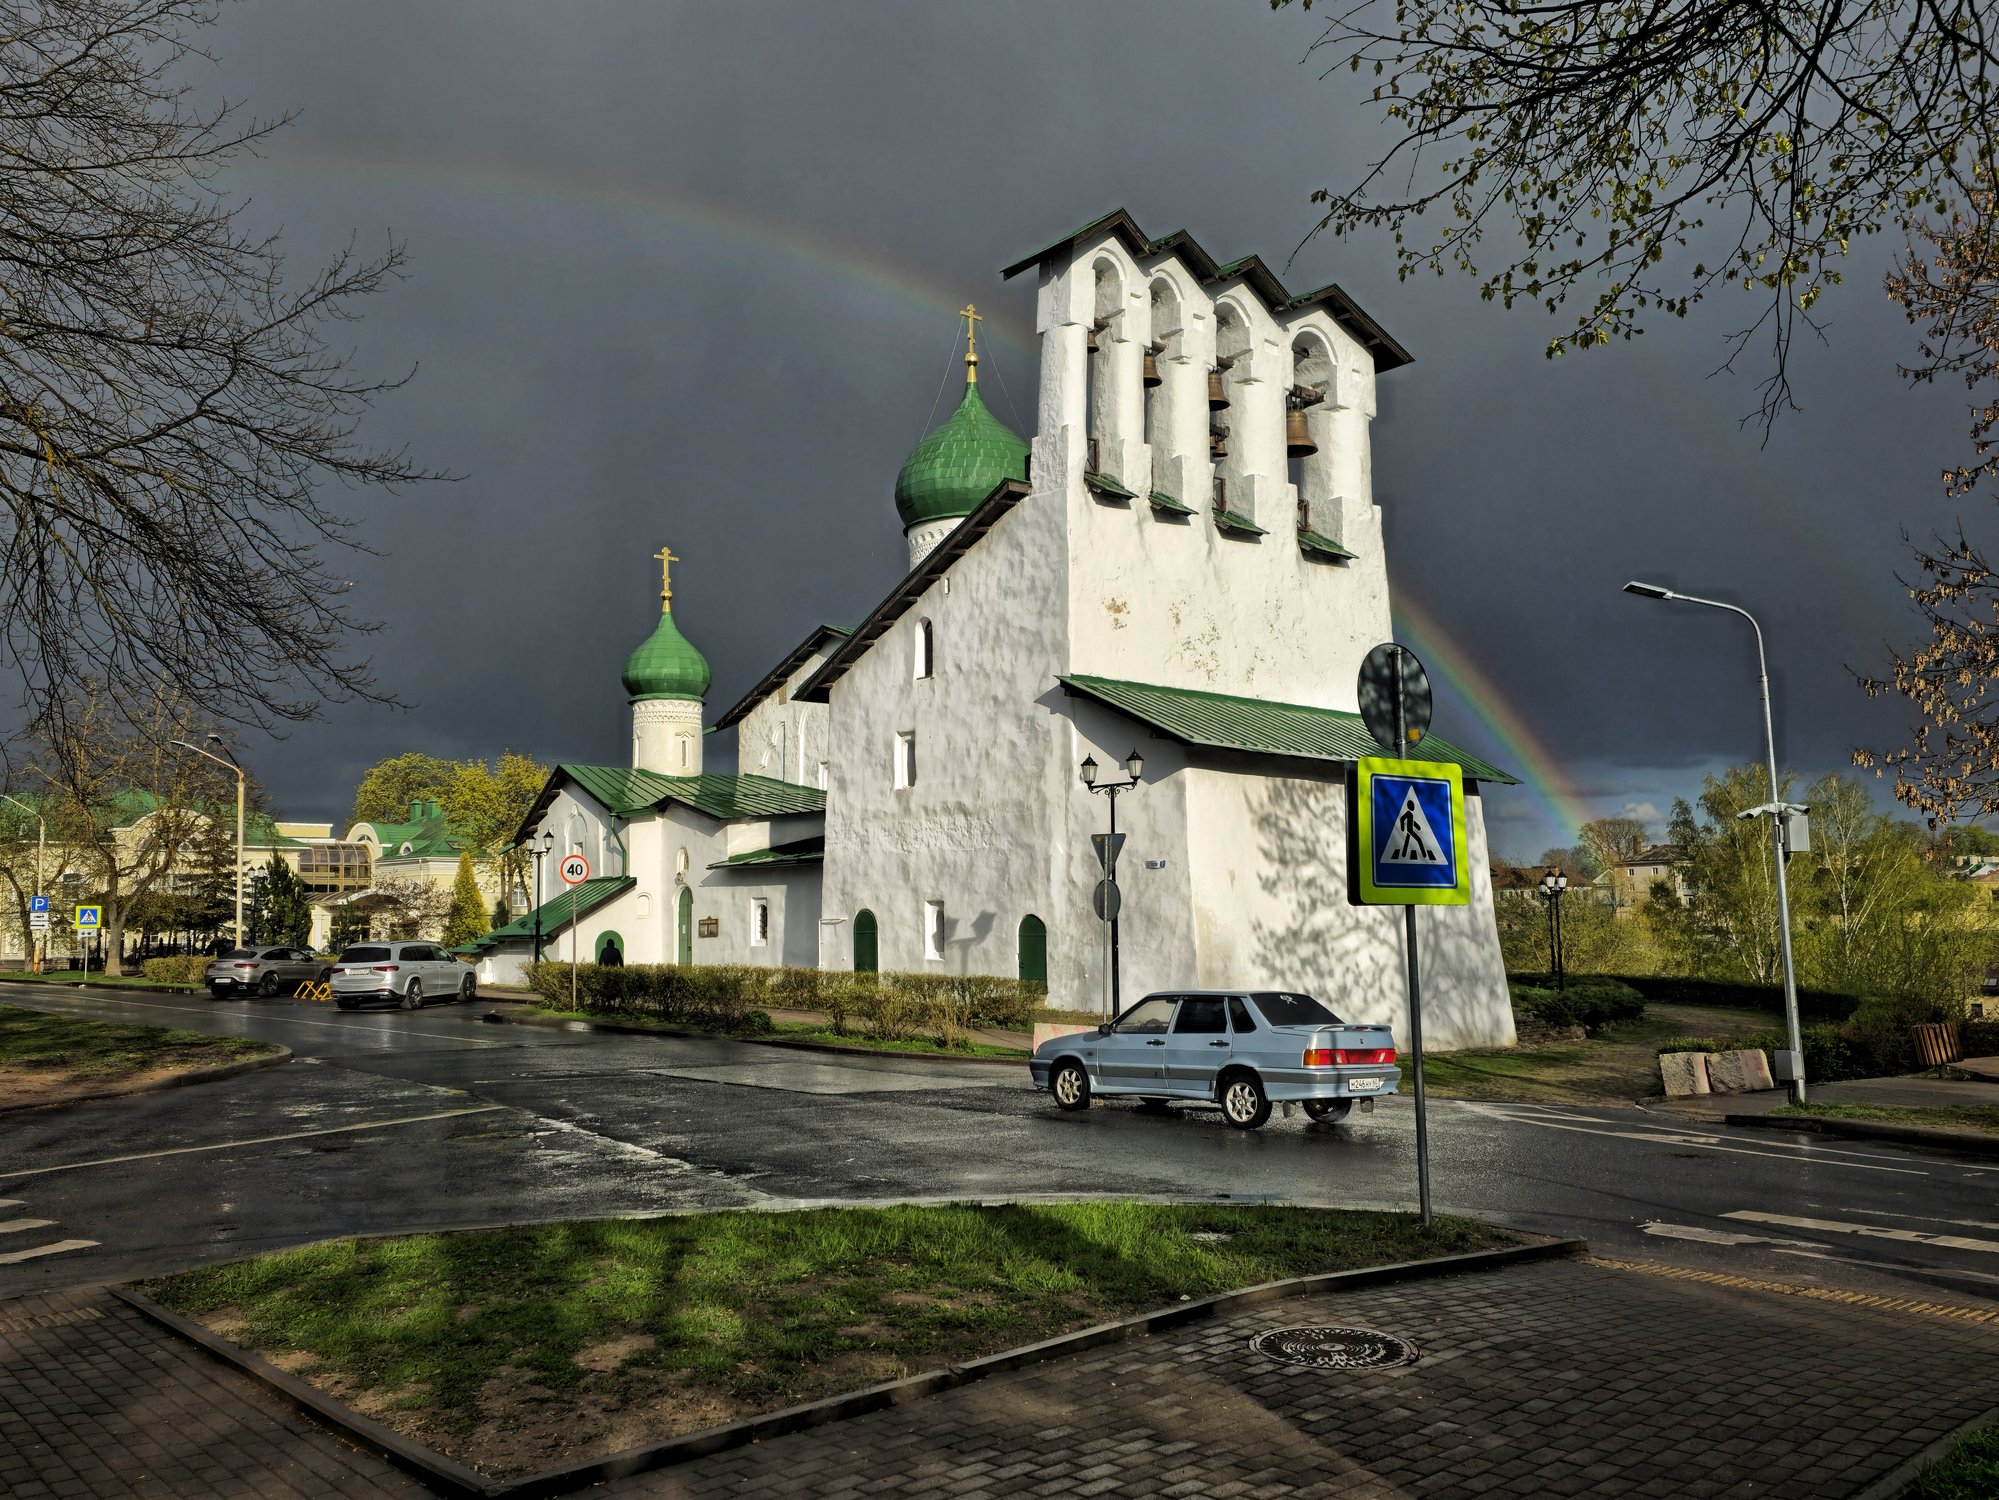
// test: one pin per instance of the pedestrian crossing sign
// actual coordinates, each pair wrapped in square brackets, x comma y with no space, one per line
[89,917]
[1409,834]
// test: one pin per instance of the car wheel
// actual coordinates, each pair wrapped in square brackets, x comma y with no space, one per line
[1244,1103]
[1071,1086]
[1329,1111]
[325,975]
[413,996]
[217,992]
[268,986]
[468,990]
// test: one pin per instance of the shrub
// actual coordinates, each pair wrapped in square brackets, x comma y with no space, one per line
[184,968]
[1981,1038]
[1671,989]
[1589,1003]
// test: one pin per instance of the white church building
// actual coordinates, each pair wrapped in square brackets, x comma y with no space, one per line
[1185,561]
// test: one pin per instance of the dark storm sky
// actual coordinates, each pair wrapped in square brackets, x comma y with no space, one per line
[685,273]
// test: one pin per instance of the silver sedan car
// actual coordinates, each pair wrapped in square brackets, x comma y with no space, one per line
[1240,1050]
[263,971]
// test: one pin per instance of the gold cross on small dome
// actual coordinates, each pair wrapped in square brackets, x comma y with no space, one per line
[972,321]
[666,562]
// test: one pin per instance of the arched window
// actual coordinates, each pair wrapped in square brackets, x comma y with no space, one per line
[1100,393]
[1307,434]
[926,647]
[683,947]
[1228,420]
[867,955]
[1034,952]
[1164,390]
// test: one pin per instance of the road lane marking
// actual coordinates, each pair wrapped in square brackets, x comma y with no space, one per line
[15,1226]
[1717,1236]
[1709,1143]
[1816,1149]
[262,1140]
[1880,1213]
[58,1248]
[1815,1293]
[1867,1231]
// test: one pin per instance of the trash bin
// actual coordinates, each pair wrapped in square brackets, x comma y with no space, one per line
[1938,1044]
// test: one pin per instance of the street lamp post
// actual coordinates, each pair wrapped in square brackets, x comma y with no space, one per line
[1134,765]
[1553,884]
[1793,1039]
[226,759]
[539,849]
[41,849]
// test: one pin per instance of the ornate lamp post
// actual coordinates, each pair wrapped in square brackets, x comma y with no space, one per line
[1553,884]
[539,849]
[1134,765]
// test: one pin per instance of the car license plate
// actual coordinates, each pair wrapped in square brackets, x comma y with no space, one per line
[1363,1085]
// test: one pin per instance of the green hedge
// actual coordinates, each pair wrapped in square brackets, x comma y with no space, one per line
[185,968]
[738,998]
[1876,1042]
[1591,1003]
[1670,989]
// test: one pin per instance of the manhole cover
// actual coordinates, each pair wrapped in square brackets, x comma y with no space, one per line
[1335,1348]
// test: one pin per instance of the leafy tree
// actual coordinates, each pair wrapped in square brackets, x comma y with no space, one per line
[1577,859]
[487,804]
[284,909]
[408,908]
[1594,142]
[389,787]
[501,916]
[466,919]
[170,411]
[350,925]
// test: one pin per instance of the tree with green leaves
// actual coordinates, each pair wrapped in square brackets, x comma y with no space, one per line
[467,918]
[283,909]
[389,787]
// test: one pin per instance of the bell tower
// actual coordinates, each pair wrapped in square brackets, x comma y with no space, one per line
[666,680]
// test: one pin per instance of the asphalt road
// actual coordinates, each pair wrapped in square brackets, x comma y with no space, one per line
[389,1120]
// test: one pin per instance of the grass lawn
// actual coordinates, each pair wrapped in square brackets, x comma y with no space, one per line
[516,1349]
[1970,1471]
[76,976]
[801,1031]
[1945,1116]
[1621,1063]
[44,1058]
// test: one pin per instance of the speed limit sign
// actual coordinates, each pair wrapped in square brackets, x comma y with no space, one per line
[575,869]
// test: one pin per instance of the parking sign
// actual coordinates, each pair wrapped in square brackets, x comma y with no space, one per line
[1409,834]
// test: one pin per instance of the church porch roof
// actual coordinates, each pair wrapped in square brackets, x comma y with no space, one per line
[810,851]
[578,901]
[625,792]
[1221,721]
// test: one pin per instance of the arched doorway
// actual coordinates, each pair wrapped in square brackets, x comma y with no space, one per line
[867,956]
[1034,952]
[607,941]
[684,947]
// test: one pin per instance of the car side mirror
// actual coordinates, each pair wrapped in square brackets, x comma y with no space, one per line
[1104,1029]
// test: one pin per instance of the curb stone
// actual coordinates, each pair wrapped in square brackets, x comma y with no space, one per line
[1967,1142]
[457,1480]
[179,1080]
[553,1023]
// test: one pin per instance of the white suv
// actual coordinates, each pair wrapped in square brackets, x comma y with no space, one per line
[406,973]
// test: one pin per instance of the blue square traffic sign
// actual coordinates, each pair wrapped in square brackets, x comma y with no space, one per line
[1409,832]
[38,903]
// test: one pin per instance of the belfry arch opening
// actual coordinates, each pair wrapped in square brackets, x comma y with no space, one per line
[1228,419]
[1308,433]
[1100,394]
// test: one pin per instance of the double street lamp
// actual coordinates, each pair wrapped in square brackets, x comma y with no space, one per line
[1134,765]
[229,761]
[1777,811]
[1553,884]
[539,848]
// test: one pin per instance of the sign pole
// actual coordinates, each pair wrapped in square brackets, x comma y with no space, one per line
[1415,994]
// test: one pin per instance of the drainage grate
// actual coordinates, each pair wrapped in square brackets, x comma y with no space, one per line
[1335,1348]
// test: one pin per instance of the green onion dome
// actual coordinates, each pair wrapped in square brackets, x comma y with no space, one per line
[666,665]
[959,464]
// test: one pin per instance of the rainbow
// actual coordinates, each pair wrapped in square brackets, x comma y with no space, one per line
[809,247]
[1521,749]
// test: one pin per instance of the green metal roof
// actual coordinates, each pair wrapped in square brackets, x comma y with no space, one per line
[577,901]
[1103,484]
[429,837]
[666,665]
[1259,727]
[801,852]
[958,465]
[829,636]
[625,791]
[1160,500]
[1237,522]
[1325,546]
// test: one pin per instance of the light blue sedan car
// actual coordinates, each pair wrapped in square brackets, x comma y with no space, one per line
[1241,1050]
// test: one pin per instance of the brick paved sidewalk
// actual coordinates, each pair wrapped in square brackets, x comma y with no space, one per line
[1559,1379]
[96,1401]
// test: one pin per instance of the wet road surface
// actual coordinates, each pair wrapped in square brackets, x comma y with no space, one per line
[387,1120]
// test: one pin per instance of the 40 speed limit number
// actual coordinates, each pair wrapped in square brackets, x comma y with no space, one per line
[574,869]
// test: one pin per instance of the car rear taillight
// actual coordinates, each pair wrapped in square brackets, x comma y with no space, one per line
[242,966]
[1348,1057]
[387,968]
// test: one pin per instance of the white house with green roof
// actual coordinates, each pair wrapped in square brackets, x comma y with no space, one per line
[1186,560]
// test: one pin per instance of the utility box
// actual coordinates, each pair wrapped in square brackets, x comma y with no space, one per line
[1797,831]
[1786,1066]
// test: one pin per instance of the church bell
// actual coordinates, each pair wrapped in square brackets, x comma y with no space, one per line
[1218,442]
[1151,369]
[1218,399]
[1297,434]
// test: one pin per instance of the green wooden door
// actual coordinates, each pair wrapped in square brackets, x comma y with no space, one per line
[685,951]
[1034,952]
[867,958]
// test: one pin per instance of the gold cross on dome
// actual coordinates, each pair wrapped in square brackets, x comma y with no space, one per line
[972,321]
[666,562]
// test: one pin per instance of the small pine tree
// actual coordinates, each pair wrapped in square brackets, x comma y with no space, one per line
[501,916]
[283,908]
[467,918]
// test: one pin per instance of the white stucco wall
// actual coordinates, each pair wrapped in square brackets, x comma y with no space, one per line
[782,738]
